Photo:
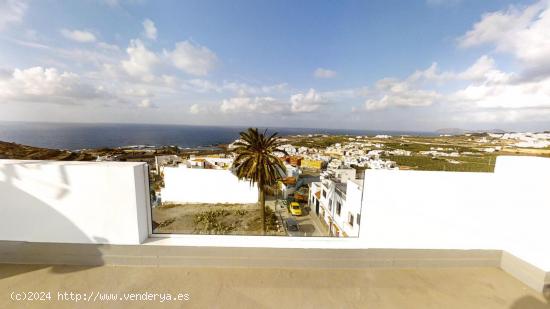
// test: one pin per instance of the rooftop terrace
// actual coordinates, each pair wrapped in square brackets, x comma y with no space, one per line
[427,239]
[380,288]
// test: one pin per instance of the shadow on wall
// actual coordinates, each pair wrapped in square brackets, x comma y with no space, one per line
[21,210]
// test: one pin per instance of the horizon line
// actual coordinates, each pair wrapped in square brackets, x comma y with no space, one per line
[218,126]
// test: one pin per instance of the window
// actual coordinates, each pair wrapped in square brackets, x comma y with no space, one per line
[324,193]
[358,219]
[338,208]
[330,204]
[350,219]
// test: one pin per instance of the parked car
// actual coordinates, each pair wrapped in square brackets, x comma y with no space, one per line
[295,209]
[292,227]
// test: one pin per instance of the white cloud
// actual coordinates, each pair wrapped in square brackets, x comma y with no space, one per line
[137,92]
[324,73]
[38,84]
[141,61]
[483,70]
[101,56]
[81,36]
[307,102]
[480,69]
[395,93]
[490,91]
[505,94]
[262,105]
[201,85]
[240,89]
[345,94]
[11,12]
[195,109]
[277,88]
[108,47]
[488,88]
[193,59]
[150,29]
[520,31]
[431,74]
[146,103]
[499,116]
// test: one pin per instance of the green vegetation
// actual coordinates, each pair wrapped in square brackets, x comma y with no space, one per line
[166,222]
[23,152]
[241,212]
[156,181]
[222,221]
[427,146]
[319,142]
[214,219]
[256,162]
[467,163]
[209,222]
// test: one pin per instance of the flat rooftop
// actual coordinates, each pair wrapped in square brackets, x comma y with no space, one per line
[447,287]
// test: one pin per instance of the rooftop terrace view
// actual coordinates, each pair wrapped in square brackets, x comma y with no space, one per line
[274,154]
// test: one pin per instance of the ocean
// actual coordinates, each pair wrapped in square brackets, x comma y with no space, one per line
[73,136]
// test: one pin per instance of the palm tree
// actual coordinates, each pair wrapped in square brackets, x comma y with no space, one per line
[256,162]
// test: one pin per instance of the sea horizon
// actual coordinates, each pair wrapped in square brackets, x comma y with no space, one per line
[75,136]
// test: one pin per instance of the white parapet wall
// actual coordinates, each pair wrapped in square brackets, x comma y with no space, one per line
[197,185]
[506,210]
[509,210]
[74,202]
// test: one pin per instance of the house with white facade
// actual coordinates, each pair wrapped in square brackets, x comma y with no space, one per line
[336,200]
[291,180]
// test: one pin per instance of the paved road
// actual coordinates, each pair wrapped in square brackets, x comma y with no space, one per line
[309,225]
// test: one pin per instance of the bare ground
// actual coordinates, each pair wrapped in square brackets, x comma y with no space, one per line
[226,219]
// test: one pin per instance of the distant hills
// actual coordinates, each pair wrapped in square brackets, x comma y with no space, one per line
[18,151]
[457,131]
[450,131]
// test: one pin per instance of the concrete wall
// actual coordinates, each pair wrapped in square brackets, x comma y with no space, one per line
[507,210]
[73,202]
[195,185]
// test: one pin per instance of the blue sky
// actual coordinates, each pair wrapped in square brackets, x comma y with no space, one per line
[401,65]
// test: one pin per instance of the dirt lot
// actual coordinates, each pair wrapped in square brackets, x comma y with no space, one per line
[227,219]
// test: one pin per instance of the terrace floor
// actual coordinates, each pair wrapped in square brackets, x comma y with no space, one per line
[460,287]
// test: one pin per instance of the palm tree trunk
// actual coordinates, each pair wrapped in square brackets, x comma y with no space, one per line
[261,199]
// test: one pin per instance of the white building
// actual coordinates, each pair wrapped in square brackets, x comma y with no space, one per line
[197,185]
[336,200]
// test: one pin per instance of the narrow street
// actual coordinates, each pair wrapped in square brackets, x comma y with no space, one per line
[309,224]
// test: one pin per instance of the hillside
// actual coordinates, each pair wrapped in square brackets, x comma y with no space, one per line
[17,151]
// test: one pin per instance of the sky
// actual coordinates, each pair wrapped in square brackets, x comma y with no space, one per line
[378,65]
